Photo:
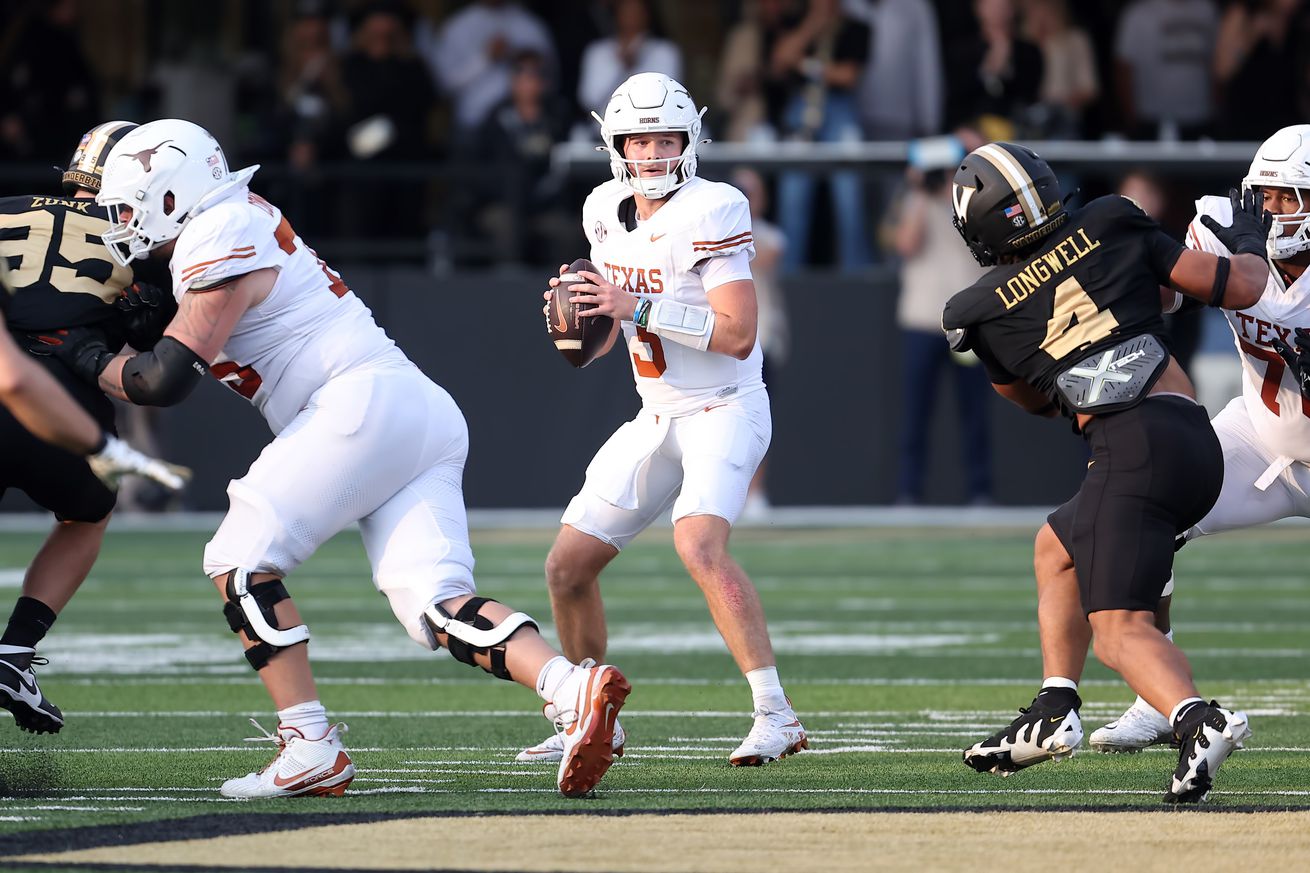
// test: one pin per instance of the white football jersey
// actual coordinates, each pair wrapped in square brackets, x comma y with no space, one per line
[1280,415]
[658,259]
[310,328]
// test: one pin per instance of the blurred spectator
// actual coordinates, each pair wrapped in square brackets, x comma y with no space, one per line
[388,102]
[902,90]
[819,60]
[48,92]
[1256,58]
[633,48]
[1069,80]
[1163,61]
[773,328]
[935,267]
[520,194]
[471,56]
[752,102]
[995,74]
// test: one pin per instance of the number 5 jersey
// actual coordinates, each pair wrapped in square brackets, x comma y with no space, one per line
[311,327]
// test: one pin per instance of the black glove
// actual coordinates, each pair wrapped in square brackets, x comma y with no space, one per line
[84,350]
[147,311]
[1249,232]
[1297,358]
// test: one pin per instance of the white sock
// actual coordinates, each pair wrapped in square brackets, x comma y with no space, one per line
[552,676]
[308,718]
[1059,682]
[1182,705]
[766,690]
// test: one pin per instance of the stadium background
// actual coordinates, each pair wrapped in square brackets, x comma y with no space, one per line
[405,223]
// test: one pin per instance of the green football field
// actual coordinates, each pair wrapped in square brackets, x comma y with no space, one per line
[898,648]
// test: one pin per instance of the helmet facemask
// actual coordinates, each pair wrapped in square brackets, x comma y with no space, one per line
[1283,161]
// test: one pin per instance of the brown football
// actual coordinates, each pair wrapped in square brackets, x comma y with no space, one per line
[578,339]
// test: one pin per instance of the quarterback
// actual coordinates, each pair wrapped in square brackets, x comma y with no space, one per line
[361,435]
[1265,433]
[674,253]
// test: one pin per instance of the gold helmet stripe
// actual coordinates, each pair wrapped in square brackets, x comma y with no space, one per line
[1019,180]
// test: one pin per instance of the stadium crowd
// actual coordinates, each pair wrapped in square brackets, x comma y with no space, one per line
[348,102]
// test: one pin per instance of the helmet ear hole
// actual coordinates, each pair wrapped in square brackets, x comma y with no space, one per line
[170,202]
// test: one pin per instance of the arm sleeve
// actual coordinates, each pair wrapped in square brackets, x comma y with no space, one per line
[1162,250]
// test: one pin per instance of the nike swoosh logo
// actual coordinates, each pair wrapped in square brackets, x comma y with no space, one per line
[30,692]
[656,237]
[559,307]
[283,783]
[1056,718]
[793,724]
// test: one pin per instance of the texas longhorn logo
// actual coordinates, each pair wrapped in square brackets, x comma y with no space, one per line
[146,155]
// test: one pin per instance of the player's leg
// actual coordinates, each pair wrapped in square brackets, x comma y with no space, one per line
[418,545]
[1169,474]
[628,484]
[1049,728]
[62,483]
[1241,504]
[720,450]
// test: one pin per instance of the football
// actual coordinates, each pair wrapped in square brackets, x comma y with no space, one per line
[578,339]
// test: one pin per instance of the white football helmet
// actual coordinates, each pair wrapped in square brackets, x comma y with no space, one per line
[159,159]
[651,103]
[1283,161]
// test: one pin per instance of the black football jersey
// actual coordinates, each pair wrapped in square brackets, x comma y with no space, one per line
[1094,283]
[61,273]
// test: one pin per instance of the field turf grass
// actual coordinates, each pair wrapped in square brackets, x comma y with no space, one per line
[898,648]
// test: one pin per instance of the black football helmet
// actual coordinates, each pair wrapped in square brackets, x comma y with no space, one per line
[88,161]
[1006,200]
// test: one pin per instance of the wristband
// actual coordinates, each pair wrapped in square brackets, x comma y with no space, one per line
[641,315]
[1220,282]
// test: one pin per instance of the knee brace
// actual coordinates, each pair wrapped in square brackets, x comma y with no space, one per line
[249,608]
[469,633]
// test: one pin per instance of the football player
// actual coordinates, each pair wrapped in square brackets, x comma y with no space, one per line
[1068,321]
[361,436]
[674,251]
[62,277]
[1265,433]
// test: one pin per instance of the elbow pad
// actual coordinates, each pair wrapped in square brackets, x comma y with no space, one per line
[163,376]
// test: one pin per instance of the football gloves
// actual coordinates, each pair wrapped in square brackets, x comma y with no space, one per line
[116,459]
[1249,232]
[1297,357]
[84,350]
[147,310]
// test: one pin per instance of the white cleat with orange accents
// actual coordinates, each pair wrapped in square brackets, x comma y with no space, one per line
[774,736]
[586,712]
[551,749]
[301,768]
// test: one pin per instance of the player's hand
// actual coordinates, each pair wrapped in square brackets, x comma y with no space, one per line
[147,311]
[1297,357]
[1249,232]
[549,293]
[609,298]
[117,459]
[83,350]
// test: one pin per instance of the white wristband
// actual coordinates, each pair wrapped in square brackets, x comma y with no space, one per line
[689,325]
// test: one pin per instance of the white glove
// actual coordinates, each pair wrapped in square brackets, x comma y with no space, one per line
[117,459]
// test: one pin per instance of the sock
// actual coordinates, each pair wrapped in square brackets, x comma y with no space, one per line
[552,676]
[28,624]
[1182,709]
[308,718]
[1059,691]
[766,690]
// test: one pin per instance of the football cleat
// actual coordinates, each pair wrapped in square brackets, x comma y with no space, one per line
[1042,732]
[774,736]
[301,768]
[1208,735]
[1140,726]
[551,750]
[586,727]
[20,694]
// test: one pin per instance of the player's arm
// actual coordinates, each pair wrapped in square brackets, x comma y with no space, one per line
[1026,397]
[736,318]
[1231,283]
[205,319]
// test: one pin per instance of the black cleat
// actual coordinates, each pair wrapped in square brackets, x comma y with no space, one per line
[1042,732]
[20,694]
[1208,734]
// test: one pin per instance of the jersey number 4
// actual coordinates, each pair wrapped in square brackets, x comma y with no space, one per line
[1075,321]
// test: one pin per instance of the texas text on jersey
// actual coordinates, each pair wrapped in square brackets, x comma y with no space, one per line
[1278,412]
[310,328]
[664,256]
[1094,283]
